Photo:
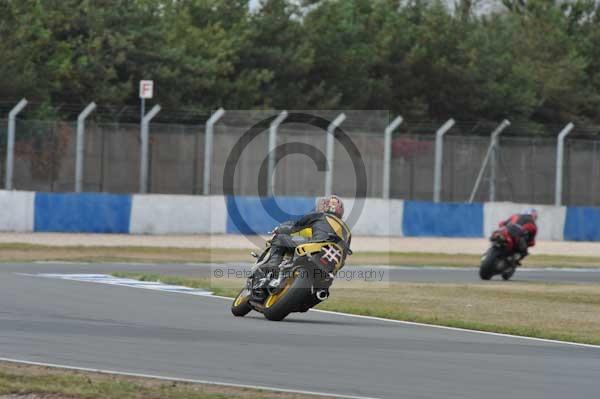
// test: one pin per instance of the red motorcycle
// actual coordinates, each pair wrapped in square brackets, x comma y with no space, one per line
[501,257]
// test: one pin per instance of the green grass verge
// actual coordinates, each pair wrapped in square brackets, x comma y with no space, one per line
[33,252]
[564,312]
[35,382]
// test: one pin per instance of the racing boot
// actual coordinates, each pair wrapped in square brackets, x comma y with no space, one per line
[271,268]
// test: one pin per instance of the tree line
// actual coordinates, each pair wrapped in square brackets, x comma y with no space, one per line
[529,60]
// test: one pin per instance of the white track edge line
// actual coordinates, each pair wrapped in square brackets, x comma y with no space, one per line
[186,380]
[44,275]
[414,323]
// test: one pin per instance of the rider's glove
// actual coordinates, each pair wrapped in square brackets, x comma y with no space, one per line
[283,228]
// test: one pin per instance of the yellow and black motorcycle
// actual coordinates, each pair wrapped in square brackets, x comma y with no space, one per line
[302,281]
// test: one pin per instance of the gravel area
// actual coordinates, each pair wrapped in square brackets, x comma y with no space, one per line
[378,244]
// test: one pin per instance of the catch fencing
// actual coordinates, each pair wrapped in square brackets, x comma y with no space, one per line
[44,160]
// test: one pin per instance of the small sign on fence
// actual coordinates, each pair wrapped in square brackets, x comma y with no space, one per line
[146,89]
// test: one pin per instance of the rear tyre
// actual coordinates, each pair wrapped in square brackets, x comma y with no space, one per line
[488,264]
[295,293]
[240,306]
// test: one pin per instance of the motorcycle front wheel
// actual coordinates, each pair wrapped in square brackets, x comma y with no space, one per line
[507,274]
[240,306]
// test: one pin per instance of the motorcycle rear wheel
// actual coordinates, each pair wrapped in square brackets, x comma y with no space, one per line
[488,264]
[295,292]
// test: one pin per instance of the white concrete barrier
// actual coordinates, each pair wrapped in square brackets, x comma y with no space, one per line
[178,214]
[551,219]
[17,211]
[378,217]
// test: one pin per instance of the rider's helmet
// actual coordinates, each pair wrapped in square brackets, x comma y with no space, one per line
[532,212]
[332,204]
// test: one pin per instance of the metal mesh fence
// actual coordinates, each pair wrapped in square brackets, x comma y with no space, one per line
[582,174]
[43,153]
[527,170]
[45,160]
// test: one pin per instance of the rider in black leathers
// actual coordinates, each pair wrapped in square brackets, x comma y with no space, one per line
[319,226]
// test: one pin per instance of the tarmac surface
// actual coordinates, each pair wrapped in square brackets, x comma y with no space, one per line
[378,273]
[176,335]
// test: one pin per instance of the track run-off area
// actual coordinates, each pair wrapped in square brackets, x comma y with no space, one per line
[173,335]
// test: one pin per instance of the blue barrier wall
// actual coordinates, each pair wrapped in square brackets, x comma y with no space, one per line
[255,215]
[106,213]
[582,224]
[422,219]
[82,213]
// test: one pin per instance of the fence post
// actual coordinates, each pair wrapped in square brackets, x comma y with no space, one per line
[387,155]
[10,145]
[330,151]
[439,154]
[271,151]
[493,157]
[144,148]
[80,145]
[208,148]
[560,145]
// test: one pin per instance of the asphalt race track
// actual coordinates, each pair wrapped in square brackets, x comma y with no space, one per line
[176,335]
[409,274]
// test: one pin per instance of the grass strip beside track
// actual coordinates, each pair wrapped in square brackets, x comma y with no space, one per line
[36,382]
[564,312]
[34,252]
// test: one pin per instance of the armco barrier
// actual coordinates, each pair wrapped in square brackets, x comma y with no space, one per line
[582,224]
[82,213]
[16,211]
[172,214]
[178,214]
[429,219]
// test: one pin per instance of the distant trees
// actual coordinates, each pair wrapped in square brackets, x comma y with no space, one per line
[535,60]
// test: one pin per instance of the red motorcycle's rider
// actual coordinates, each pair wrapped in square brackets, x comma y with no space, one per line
[522,229]
[322,225]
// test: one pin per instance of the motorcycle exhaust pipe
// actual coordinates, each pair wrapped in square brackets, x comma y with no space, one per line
[322,295]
